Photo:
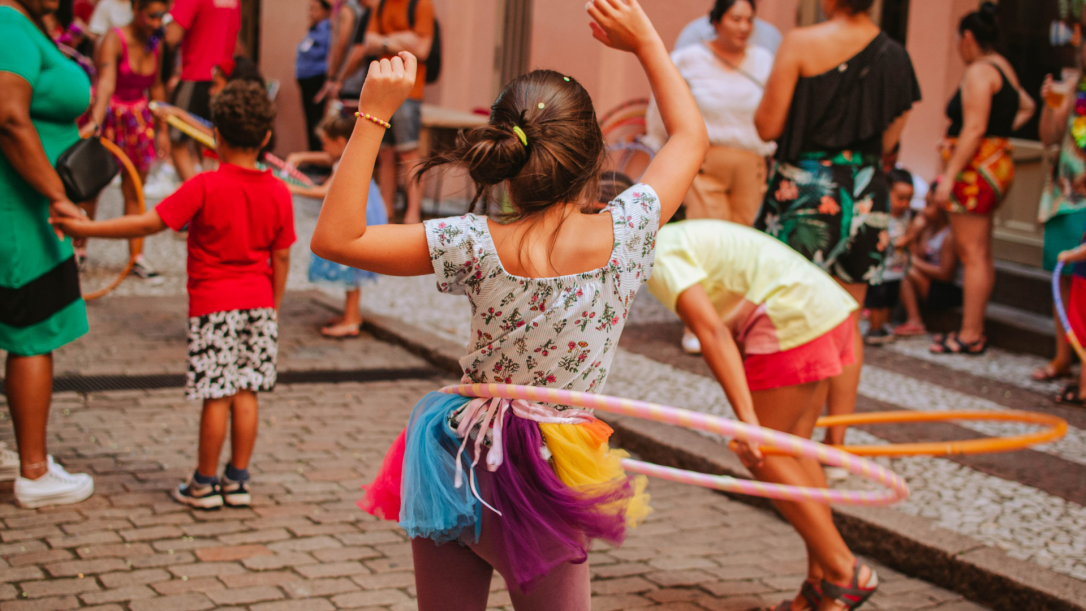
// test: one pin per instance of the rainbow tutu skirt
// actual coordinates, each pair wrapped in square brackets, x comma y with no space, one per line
[557,486]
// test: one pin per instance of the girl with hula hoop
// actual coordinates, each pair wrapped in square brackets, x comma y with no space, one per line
[1074,316]
[513,485]
[775,329]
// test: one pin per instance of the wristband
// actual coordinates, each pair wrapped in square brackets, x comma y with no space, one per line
[369,117]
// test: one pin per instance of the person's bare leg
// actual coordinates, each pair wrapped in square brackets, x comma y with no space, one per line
[408,161]
[131,203]
[1060,365]
[843,388]
[794,409]
[183,161]
[879,317]
[973,239]
[213,424]
[243,426]
[909,298]
[28,382]
[386,179]
[349,323]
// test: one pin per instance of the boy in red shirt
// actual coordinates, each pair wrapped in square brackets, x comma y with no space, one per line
[241,226]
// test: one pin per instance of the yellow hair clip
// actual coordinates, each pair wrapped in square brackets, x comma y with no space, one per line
[520,135]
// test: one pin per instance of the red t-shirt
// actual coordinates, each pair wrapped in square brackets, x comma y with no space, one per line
[211,33]
[236,218]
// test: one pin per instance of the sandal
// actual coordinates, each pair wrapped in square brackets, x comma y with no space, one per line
[942,345]
[342,330]
[910,330]
[1070,396]
[1050,372]
[853,595]
[810,592]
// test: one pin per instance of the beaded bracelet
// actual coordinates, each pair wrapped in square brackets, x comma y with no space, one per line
[369,117]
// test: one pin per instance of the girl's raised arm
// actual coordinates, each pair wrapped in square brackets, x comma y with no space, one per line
[622,25]
[341,234]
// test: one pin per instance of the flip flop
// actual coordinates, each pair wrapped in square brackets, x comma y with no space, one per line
[342,331]
[1049,373]
[942,345]
[1070,396]
[910,330]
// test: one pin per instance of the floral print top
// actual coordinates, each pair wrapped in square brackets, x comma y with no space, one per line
[559,332]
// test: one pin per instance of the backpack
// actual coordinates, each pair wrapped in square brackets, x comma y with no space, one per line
[433,61]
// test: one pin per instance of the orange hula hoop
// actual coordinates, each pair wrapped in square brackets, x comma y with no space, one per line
[1057,428]
[138,184]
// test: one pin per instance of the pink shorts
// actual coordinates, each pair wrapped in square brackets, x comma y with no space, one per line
[819,359]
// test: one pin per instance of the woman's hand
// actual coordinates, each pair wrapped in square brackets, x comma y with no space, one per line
[1073,256]
[62,211]
[620,24]
[387,85]
[749,454]
[88,130]
[1046,87]
[943,190]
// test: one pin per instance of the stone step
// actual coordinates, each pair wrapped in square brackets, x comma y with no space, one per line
[1010,328]
[1022,287]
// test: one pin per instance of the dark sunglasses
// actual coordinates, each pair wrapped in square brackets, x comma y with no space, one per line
[158,15]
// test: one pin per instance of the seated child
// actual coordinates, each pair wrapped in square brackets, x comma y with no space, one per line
[934,276]
[334,132]
[240,228]
[882,298]
[774,328]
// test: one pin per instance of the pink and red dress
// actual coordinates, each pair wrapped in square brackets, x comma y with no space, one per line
[129,123]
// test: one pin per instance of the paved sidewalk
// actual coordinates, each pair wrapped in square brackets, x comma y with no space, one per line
[305,546]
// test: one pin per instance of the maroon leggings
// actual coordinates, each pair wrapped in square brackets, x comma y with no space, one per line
[452,577]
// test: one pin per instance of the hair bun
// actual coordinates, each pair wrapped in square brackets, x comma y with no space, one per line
[989,11]
[495,154]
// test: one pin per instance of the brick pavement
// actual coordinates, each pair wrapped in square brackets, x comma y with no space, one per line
[304,546]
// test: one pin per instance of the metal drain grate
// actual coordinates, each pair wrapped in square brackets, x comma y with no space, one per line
[155,381]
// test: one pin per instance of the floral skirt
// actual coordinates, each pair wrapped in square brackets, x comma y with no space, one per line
[131,126]
[559,486]
[980,187]
[834,210]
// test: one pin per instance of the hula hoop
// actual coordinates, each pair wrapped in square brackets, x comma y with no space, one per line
[1057,300]
[896,490]
[1057,428]
[138,248]
[291,171]
[624,105]
[190,131]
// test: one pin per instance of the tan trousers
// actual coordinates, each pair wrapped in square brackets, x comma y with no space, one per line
[729,186]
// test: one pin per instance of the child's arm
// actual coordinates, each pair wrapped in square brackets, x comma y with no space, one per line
[622,25]
[311,158]
[948,263]
[128,226]
[341,234]
[280,262]
[722,355]
[1074,255]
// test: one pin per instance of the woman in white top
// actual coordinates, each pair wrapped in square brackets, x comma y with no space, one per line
[726,76]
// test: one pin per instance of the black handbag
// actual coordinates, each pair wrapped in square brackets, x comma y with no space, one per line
[85,169]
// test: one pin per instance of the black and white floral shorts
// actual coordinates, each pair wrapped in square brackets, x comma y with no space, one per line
[232,351]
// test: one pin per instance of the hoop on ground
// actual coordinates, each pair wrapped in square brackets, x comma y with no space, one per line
[138,248]
[896,490]
[1061,312]
[1057,428]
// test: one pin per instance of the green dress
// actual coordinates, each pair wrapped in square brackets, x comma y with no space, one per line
[40,304]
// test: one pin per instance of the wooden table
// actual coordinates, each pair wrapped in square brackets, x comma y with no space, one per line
[440,127]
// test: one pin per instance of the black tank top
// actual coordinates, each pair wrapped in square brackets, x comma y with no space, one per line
[1001,118]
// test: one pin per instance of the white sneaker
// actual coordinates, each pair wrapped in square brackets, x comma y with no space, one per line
[9,463]
[56,487]
[691,344]
[835,474]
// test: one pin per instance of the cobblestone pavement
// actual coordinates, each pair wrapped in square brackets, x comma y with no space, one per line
[304,546]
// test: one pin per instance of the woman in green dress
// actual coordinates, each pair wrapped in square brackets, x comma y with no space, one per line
[41,308]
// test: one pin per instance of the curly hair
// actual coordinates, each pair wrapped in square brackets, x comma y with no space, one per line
[243,114]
